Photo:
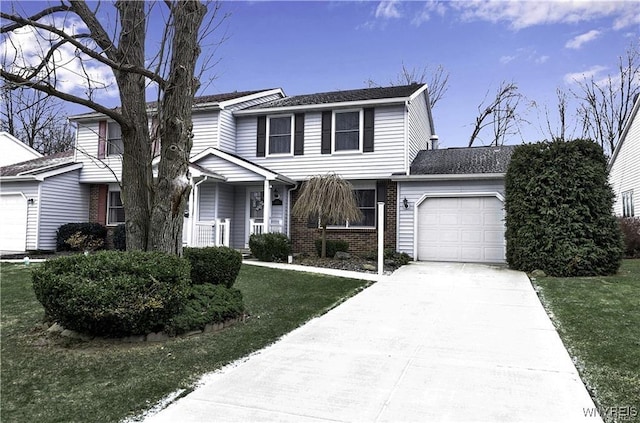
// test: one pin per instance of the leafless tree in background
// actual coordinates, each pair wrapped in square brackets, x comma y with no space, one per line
[605,105]
[500,114]
[437,81]
[35,119]
[153,206]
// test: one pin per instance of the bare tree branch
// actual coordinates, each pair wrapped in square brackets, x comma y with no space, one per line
[501,113]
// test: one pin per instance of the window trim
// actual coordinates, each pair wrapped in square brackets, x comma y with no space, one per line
[108,222]
[268,152]
[108,141]
[627,204]
[360,131]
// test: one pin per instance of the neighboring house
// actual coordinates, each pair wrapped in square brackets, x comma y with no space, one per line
[624,167]
[36,197]
[252,152]
[12,150]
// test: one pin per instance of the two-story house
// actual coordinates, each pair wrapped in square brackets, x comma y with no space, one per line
[252,152]
[624,167]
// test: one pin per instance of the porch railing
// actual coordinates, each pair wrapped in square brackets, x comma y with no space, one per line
[212,233]
[255,228]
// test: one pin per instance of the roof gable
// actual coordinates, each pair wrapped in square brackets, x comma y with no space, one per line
[625,132]
[462,161]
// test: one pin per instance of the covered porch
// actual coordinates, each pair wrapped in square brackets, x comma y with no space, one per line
[232,199]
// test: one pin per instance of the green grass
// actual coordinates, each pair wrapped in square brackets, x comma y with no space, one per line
[57,380]
[598,319]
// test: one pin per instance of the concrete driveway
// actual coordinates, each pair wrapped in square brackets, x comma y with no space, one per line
[433,342]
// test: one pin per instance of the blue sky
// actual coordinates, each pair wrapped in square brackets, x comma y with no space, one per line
[306,47]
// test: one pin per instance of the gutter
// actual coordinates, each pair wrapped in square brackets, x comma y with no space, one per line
[321,106]
[447,177]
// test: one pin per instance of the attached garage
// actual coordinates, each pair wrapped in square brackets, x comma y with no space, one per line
[13,220]
[458,228]
[451,205]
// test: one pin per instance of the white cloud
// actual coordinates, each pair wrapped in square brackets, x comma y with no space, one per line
[577,41]
[594,72]
[542,59]
[526,54]
[70,70]
[523,14]
[388,9]
[506,59]
[430,8]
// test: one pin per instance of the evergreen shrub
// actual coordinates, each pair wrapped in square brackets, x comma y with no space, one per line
[333,246]
[213,265]
[92,231]
[270,247]
[559,210]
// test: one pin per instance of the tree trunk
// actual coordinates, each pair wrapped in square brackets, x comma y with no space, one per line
[173,186]
[137,176]
[323,249]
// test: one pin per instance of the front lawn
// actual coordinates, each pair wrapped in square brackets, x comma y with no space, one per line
[598,319]
[59,380]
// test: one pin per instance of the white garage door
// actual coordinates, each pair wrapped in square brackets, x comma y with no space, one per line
[13,222]
[465,229]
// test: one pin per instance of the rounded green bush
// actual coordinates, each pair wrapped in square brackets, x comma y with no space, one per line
[270,247]
[207,304]
[559,210]
[92,230]
[214,265]
[113,293]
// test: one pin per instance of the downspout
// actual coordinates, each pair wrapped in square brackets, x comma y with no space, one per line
[38,211]
[406,137]
[295,187]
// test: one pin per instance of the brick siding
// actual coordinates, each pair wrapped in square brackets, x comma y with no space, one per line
[360,240]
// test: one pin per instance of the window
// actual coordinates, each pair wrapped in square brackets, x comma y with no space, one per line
[366,200]
[114,139]
[280,130]
[115,208]
[627,204]
[347,135]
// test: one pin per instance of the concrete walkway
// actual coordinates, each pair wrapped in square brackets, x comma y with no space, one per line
[433,342]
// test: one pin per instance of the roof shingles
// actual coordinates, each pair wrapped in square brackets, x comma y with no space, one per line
[33,167]
[462,161]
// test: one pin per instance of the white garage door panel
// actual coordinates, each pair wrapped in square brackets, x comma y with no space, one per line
[13,222]
[461,229]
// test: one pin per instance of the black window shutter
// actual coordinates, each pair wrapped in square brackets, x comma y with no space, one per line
[367,146]
[298,139]
[326,133]
[262,136]
[381,195]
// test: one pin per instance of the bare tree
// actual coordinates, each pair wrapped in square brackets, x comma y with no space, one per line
[35,119]
[605,105]
[437,81]
[500,114]
[153,206]
[329,199]
[557,131]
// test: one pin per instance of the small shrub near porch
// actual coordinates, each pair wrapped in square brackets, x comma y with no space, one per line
[213,265]
[630,227]
[75,236]
[270,247]
[332,247]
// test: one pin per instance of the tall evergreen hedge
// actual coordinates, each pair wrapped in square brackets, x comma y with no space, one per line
[559,210]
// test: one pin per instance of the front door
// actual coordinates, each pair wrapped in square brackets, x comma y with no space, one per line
[256,212]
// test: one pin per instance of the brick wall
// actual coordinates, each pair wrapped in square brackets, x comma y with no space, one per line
[360,240]
[94,194]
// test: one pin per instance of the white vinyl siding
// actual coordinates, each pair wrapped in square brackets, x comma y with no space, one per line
[228,124]
[95,170]
[231,171]
[29,190]
[387,158]
[625,172]
[413,191]
[238,224]
[63,200]
[205,130]
[419,127]
[207,202]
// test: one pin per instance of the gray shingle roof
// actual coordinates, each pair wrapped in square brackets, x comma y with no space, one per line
[35,166]
[343,96]
[459,161]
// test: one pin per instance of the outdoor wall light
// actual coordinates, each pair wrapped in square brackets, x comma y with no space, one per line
[31,201]
[405,203]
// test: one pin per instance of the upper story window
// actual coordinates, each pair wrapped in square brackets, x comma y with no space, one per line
[347,135]
[280,131]
[114,139]
[115,208]
[627,204]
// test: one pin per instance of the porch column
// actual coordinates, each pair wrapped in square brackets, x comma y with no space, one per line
[267,206]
